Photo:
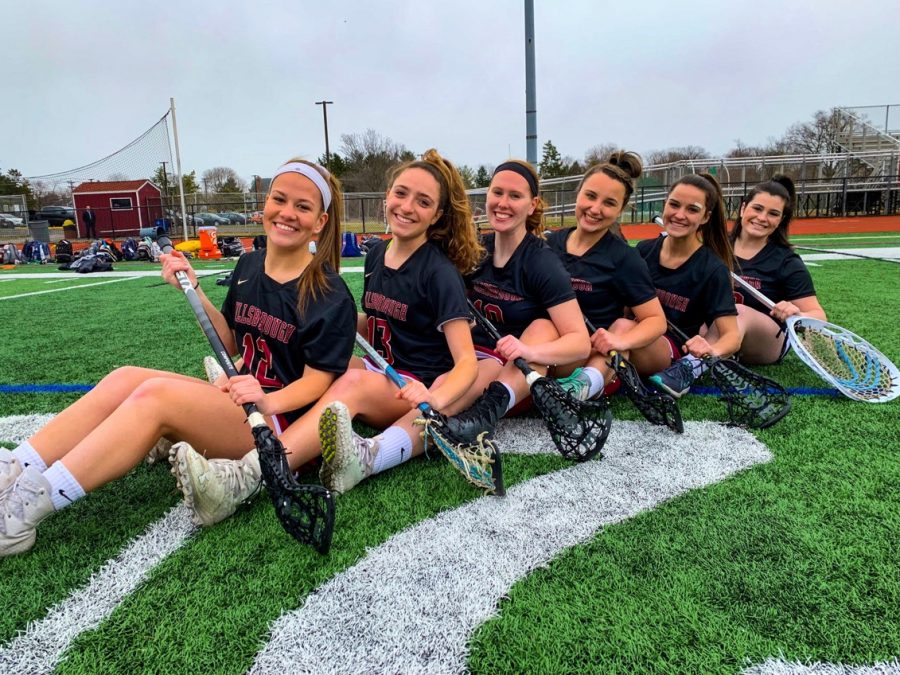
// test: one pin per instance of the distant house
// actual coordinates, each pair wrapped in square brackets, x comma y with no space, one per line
[122,207]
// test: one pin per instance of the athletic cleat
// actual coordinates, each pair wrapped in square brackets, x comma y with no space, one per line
[27,504]
[213,370]
[576,386]
[348,457]
[159,452]
[214,488]
[675,380]
[480,417]
[10,469]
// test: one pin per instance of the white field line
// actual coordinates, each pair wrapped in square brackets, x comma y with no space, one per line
[40,647]
[780,667]
[121,276]
[411,605]
[808,238]
[892,253]
[17,428]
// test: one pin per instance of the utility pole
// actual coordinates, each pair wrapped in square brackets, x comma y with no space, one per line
[325,105]
[530,87]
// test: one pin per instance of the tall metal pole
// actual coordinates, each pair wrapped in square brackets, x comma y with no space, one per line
[530,89]
[178,170]
[325,105]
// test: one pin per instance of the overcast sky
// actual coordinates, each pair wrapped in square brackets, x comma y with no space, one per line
[83,78]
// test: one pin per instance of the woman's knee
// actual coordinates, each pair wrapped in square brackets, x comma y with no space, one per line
[622,325]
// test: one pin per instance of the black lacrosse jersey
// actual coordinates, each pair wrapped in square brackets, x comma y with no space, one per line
[273,339]
[407,307]
[609,277]
[696,293]
[778,272]
[514,295]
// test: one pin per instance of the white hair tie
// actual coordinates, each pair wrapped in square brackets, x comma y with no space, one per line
[311,173]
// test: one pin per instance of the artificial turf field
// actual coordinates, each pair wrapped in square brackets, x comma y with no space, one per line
[718,551]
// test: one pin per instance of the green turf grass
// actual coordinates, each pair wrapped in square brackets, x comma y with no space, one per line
[796,557]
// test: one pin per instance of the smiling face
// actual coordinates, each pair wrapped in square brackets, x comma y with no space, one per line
[762,215]
[685,211]
[413,203]
[293,215]
[509,202]
[599,203]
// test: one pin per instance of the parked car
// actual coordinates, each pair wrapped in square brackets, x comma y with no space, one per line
[233,218]
[212,219]
[11,220]
[55,215]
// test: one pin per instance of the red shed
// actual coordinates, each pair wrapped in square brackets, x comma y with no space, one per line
[122,207]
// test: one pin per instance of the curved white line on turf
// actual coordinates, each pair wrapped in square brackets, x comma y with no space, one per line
[40,648]
[411,604]
[779,667]
[17,428]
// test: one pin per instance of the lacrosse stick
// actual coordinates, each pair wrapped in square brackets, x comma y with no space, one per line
[578,428]
[306,512]
[752,400]
[841,358]
[478,462]
[657,407]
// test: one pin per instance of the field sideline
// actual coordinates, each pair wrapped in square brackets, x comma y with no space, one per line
[716,551]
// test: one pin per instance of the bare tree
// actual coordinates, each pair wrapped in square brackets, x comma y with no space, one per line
[821,135]
[222,179]
[676,154]
[368,157]
[599,153]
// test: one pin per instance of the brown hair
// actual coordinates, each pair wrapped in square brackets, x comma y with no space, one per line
[714,232]
[534,223]
[778,186]
[313,281]
[455,230]
[624,166]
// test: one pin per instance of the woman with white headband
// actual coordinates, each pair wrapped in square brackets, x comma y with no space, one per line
[287,314]
[415,314]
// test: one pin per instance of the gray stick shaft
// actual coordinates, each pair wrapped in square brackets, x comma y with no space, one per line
[752,291]
[253,415]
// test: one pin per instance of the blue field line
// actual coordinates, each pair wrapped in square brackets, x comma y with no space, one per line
[45,388]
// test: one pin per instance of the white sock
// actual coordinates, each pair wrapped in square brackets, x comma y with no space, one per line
[64,488]
[394,447]
[512,397]
[699,366]
[28,456]
[595,378]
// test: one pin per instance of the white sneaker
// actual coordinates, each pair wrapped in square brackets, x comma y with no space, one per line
[348,458]
[213,370]
[27,504]
[214,488]
[10,468]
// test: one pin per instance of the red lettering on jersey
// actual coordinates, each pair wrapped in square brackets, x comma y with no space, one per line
[384,305]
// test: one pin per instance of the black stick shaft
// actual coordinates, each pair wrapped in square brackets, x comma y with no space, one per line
[491,330]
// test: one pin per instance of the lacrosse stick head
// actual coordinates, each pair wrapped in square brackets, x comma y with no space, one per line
[578,428]
[856,368]
[305,511]
[478,461]
[657,407]
[752,400]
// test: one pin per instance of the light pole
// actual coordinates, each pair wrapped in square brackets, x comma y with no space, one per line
[325,105]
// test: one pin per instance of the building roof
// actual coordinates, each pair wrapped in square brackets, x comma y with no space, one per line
[112,186]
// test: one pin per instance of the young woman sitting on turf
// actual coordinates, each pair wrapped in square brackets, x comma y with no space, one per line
[608,276]
[415,315]
[522,287]
[288,314]
[691,268]
[766,260]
